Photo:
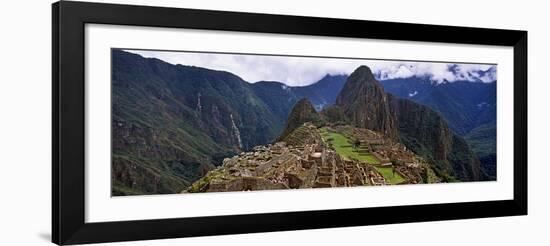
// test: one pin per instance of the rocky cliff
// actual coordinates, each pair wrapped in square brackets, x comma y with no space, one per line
[173,123]
[427,133]
[365,104]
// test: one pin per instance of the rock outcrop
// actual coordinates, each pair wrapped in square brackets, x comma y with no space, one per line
[334,114]
[364,102]
[302,112]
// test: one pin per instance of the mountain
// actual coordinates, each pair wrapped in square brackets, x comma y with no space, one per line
[281,98]
[427,133]
[302,112]
[365,104]
[482,139]
[468,107]
[323,92]
[335,115]
[173,123]
[464,104]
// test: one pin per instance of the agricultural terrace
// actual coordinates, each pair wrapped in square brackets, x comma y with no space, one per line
[343,145]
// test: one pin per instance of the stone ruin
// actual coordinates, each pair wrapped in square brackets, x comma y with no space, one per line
[308,163]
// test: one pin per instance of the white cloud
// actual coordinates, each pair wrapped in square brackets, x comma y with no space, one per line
[306,70]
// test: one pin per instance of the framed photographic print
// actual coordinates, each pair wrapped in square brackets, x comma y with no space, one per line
[176,122]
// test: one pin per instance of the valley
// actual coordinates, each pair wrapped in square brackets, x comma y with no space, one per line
[189,129]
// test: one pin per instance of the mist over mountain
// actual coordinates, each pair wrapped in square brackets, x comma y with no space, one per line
[303,70]
[172,124]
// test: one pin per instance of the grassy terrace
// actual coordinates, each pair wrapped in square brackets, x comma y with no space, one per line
[342,145]
[388,174]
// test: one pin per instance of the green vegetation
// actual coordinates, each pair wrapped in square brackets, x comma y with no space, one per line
[429,176]
[299,136]
[302,112]
[122,190]
[390,176]
[199,185]
[369,158]
[342,145]
[171,124]
[482,139]
[463,104]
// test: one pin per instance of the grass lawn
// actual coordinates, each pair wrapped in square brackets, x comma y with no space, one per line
[342,146]
[368,158]
[388,175]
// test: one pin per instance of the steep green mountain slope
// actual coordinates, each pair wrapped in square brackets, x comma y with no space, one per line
[468,107]
[277,96]
[482,139]
[172,123]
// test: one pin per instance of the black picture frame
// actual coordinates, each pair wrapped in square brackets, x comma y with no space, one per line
[68,122]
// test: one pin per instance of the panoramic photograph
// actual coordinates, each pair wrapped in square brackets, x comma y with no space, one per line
[194,122]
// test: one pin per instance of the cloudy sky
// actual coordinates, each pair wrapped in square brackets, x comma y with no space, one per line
[297,71]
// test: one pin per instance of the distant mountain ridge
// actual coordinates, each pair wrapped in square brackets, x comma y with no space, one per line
[172,123]
[323,92]
[466,105]
[281,97]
